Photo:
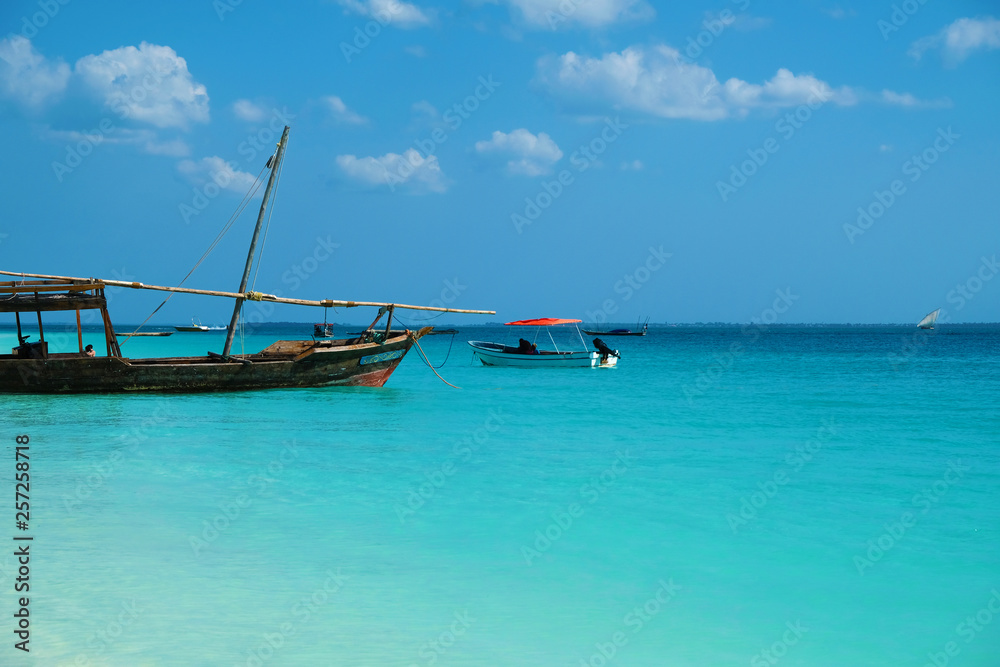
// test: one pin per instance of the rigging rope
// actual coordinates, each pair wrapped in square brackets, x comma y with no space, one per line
[417,319]
[225,229]
[424,356]
[260,255]
[267,226]
[428,318]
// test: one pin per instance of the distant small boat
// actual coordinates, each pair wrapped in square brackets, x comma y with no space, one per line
[322,330]
[929,321]
[196,325]
[620,332]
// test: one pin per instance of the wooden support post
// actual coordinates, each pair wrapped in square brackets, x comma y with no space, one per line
[381,312]
[109,332]
[112,338]
[388,324]
[79,330]
[41,333]
[17,318]
[107,338]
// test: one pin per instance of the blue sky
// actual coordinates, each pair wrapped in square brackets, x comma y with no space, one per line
[579,158]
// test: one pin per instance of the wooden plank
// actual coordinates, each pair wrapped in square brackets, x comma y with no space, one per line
[23,283]
[50,302]
[288,348]
[30,288]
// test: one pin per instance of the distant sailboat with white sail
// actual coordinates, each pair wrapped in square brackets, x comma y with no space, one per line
[929,320]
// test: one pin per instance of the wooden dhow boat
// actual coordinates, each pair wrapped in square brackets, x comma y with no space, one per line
[365,360]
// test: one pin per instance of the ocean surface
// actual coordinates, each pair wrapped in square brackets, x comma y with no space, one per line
[794,496]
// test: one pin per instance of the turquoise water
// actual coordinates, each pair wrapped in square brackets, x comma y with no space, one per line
[799,498]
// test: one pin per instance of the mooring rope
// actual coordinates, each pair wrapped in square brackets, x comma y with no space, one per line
[412,320]
[449,351]
[426,361]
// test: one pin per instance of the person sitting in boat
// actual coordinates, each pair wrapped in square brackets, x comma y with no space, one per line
[89,351]
[524,347]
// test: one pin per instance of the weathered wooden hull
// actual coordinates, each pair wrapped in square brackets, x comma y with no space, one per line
[284,364]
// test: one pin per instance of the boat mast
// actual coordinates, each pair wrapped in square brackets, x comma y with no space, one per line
[253,242]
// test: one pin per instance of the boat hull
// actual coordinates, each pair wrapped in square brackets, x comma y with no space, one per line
[494,354]
[282,365]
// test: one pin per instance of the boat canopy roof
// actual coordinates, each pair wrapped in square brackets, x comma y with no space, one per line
[542,322]
[49,295]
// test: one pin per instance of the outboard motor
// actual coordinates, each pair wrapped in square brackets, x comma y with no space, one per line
[605,350]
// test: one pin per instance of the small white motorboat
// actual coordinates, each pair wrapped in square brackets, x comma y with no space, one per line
[196,325]
[527,354]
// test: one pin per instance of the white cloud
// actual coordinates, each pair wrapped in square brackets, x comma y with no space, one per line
[249,111]
[146,140]
[416,51]
[410,172]
[27,76]
[634,165]
[173,148]
[425,109]
[340,113]
[784,90]
[390,12]
[746,23]
[958,40]
[657,81]
[717,21]
[150,84]
[526,153]
[908,100]
[556,14]
[837,12]
[214,168]
[885,148]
